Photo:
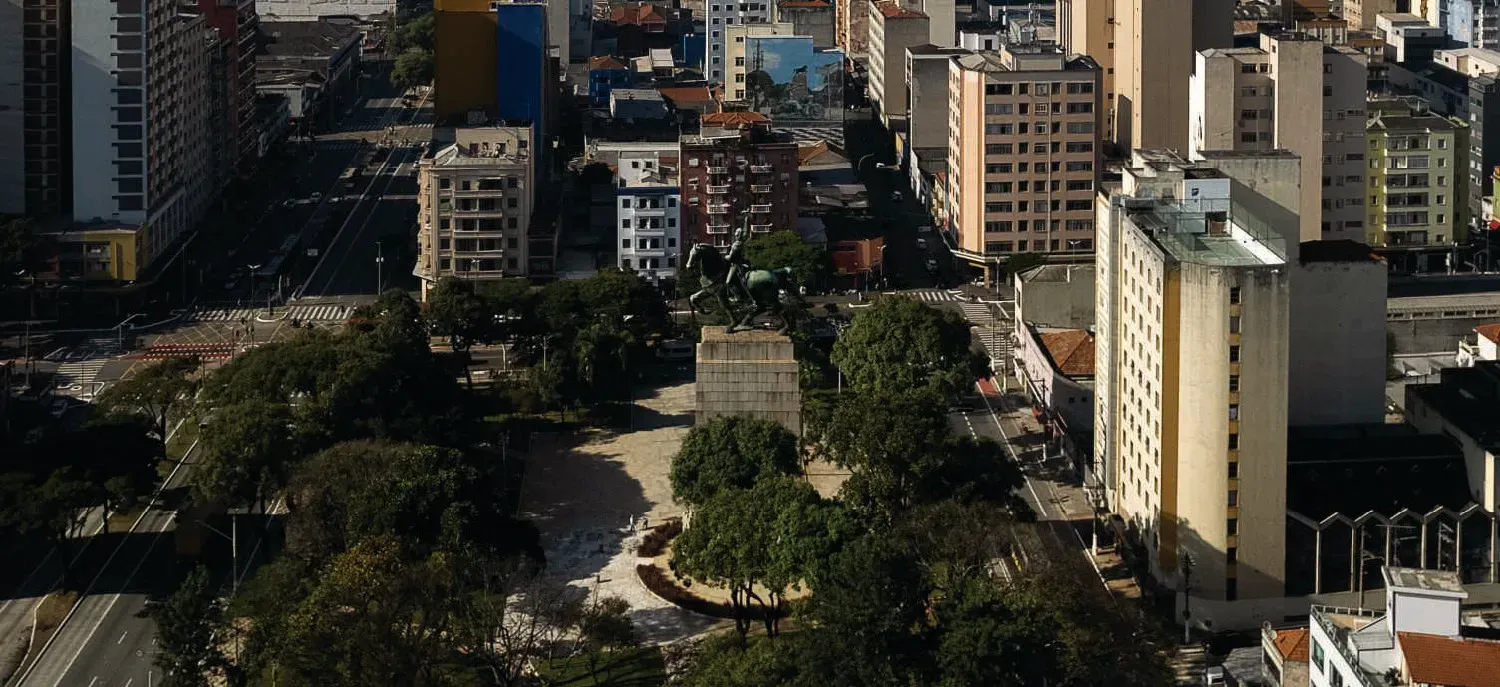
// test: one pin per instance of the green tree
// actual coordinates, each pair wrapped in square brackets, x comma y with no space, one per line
[418,32]
[730,661]
[455,311]
[186,653]
[605,627]
[247,453]
[413,68]
[870,604]
[731,452]
[756,542]
[153,393]
[18,246]
[809,263]
[899,344]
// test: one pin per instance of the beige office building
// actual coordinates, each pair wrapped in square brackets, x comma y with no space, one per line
[736,59]
[893,29]
[1417,205]
[1192,313]
[1023,153]
[1146,57]
[474,204]
[1292,93]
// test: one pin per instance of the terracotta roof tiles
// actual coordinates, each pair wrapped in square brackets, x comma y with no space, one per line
[1072,350]
[605,62]
[1438,660]
[1489,331]
[1292,643]
[734,119]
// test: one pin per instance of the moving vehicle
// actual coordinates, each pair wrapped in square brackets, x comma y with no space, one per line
[896,196]
[676,350]
[922,244]
[1214,676]
[931,265]
[316,196]
[924,229]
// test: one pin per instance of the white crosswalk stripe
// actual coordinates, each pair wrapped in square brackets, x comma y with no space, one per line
[933,296]
[305,313]
[831,133]
[84,372]
[977,313]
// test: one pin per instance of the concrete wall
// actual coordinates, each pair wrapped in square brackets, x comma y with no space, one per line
[752,373]
[1338,343]
[303,10]
[927,81]
[1050,303]
[1204,422]
[465,77]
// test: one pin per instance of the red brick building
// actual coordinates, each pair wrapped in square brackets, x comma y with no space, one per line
[729,173]
[237,24]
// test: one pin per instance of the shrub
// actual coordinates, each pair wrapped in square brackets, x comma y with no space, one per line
[656,540]
[661,583]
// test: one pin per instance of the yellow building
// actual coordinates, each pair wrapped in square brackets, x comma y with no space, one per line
[464,62]
[1416,210]
[105,252]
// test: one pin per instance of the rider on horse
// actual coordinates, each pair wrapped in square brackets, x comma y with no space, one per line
[739,265]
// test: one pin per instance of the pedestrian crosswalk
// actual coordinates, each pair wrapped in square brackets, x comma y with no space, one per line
[78,373]
[305,313]
[932,295]
[832,133]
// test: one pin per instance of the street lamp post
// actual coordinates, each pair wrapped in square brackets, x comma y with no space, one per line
[379,267]
[234,546]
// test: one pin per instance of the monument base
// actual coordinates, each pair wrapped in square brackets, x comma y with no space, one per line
[750,373]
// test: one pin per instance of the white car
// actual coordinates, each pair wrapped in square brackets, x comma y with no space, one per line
[1214,676]
[922,244]
[924,229]
[931,265]
[316,196]
[896,196]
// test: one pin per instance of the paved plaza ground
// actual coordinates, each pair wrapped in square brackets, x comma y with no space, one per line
[583,489]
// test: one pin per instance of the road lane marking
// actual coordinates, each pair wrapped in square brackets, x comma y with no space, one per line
[94,681]
[127,682]
[121,640]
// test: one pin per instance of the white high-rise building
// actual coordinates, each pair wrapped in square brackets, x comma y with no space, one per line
[649,210]
[723,14]
[1297,94]
[1192,308]
[138,113]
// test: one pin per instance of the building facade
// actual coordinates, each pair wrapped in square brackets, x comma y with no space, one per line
[1023,153]
[139,136]
[812,18]
[649,208]
[1191,381]
[737,59]
[1474,23]
[35,107]
[893,29]
[1417,213]
[726,177]
[475,192]
[1297,94]
[722,15]
[238,26]
[927,83]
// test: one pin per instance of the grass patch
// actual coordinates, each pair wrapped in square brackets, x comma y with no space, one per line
[643,667]
[47,618]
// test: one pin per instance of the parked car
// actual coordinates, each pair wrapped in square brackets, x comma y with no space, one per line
[896,196]
[931,265]
[922,244]
[924,229]
[316,196]
[1214,676]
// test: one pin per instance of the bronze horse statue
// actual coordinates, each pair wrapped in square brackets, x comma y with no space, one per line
[760,290]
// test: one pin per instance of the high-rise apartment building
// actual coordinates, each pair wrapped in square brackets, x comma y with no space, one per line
[35,107]
[1416,210]
[1474,23]
[725,177]
[1145,48]
[893,29]
[1361,14]
[238,25]
[139,97]
[1023,153]
[474,204]
[1191,304]
[853,27]
[649,209]
[494,59]
[1294,93]
[812,18]
[721,15]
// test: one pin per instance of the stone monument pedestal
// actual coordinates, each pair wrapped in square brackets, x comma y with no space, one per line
[752,373]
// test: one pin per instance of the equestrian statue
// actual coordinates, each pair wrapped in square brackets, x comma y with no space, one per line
[731,282]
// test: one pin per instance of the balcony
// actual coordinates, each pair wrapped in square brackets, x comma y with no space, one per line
[650,212]
[761,208]
[760,228]
[718,228]
[718,170]
[760,188]
[761,169]
[718,188]
[718,209]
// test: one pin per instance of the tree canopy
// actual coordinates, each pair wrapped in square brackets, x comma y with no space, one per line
[899,344]
[809,263]
[731,452]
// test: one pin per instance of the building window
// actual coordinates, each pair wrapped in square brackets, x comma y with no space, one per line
[1234,384]
[1234,324]
[1232,527]
[1234,442]
[1234,412]
[1234,295]
[1317,655]
[1233,554]
[624,243]
[1234,354]
[1234,498]
[1234,471]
